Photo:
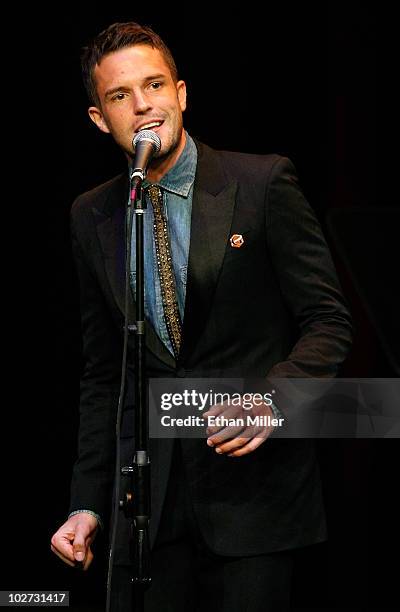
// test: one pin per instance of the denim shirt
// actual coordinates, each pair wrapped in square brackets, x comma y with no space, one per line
[177,186]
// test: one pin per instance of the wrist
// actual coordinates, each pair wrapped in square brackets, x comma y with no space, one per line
[96,516]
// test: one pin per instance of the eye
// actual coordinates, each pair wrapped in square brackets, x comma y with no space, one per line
[155,85]
[119,97]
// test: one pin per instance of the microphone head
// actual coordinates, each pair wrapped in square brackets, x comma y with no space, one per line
[147,135]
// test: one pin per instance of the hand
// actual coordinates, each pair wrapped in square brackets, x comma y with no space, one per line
[72,541]
[236,439]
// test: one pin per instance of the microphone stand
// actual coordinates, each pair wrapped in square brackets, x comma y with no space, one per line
[136,504]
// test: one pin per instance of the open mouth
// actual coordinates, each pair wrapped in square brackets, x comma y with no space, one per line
[153,125]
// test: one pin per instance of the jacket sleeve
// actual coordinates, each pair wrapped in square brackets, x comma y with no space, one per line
[307,279]
[93,472]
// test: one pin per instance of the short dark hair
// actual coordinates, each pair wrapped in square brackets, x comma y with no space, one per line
[115,37]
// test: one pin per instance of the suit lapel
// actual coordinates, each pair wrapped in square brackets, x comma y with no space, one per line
[110,227]
[212,212]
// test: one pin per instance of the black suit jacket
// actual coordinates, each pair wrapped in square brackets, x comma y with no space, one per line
[270,308]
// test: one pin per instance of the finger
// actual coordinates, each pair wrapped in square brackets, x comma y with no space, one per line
[246,435]
[231,445]
[248,448]
[219,422]
[216,409]
[225,424]
[61,556]
[62,543]
[227,433]
[88,559]
[80,545]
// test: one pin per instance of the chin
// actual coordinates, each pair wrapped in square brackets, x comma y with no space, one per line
[167,150]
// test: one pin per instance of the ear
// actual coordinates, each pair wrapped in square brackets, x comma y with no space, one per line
[181,91]
[97,117]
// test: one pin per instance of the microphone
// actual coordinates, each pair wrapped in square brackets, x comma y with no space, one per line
[145,144]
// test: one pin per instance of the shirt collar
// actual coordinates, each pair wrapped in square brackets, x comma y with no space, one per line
[181,177]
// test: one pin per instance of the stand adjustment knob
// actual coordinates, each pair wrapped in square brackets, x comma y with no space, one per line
[127,470]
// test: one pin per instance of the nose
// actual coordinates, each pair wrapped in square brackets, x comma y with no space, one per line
[142,102]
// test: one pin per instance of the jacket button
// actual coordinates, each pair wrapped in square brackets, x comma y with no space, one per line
[181,372]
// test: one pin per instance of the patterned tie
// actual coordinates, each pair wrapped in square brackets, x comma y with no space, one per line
[165,270]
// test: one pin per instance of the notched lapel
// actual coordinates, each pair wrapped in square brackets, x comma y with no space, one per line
[210,231]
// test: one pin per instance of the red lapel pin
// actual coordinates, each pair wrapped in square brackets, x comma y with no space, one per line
[236,241]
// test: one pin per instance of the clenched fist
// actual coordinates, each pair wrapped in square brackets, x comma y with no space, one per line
[72,541]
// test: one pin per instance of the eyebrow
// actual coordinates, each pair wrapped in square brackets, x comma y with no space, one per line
[154,77]
[114,90]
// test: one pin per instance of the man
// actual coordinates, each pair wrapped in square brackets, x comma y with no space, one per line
[257,295]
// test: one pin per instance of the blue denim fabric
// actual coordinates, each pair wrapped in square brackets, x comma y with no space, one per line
[177,186]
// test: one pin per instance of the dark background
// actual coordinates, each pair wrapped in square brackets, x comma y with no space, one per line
[302,82]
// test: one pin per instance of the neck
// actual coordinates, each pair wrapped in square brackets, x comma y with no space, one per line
[159,167]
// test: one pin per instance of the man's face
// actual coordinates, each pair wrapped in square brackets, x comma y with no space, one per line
[136,90]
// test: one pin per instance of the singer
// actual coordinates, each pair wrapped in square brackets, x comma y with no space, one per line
[254,293]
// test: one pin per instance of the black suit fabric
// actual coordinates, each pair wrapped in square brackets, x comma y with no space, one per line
[272,308]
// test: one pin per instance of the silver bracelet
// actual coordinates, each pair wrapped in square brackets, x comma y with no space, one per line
[96,516]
